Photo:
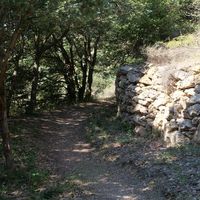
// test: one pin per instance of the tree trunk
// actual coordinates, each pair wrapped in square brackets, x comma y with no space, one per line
[92,61]
[69,75]
[81,92]
[10,94]
[4,128]
[71,92]
[89,81]
[34,87]
[13,86]
[4,131]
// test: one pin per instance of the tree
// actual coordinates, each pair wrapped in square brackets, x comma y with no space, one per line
[15,16]
[88,23]
[65,41]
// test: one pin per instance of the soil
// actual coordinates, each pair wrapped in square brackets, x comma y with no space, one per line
[64,150]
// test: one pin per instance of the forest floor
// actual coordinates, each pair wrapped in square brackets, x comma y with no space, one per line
[86,153]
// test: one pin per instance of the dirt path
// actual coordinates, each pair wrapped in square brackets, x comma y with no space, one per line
[66,151]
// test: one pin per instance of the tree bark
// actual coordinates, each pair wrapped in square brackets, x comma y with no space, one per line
[71,92]
[11,93]
[89,83]
[92,62]
[4,131]
[81,91]
[34,88]
[69,74]
[13,81]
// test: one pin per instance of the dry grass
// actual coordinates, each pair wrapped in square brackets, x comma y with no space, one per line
[181,52]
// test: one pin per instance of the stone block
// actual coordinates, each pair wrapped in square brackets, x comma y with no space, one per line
[194,110]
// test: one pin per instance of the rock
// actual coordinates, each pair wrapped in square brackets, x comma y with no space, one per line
[174,138]
[138,89]
[197,89]
[188,134]
[145,102]
[194,110]
[177,109]
[145,80]
[195,68]
[143,95]
[130,94]
[184,123]
[130,109]
[184,102]
[197,79]
[151,71]
[185,115]
[195,99]
[133,77]
[195,121]
[125,69]
[170,138]
[162,109]
[181,75]
[169,113]
[158,81]
[131,88]
[161,100]
[149,121]
[141,109]
[177,95]
[171,126]
[189,82]
[159,119]
[153,94]
[135,98]
[139,120]
[159,88]
[141,131]
[122,83]
[160,71]
[196,137]
[189,92]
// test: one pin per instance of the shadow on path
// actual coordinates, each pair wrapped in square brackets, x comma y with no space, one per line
[66,152]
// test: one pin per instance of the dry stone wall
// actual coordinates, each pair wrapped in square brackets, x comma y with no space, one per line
[161,99]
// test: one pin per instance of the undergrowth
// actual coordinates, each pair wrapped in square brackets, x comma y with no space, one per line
[28,179]
[105,127]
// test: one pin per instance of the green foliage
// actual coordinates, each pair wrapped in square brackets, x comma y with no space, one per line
[54,191]
[27,176]
[102,80]
[181,41]
[104,127]
[115,30]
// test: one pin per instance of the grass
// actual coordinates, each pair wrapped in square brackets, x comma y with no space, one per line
[183,40]
[103,86]
[105,127]
[172,53]
[182,161]
[26,176]
[53,192]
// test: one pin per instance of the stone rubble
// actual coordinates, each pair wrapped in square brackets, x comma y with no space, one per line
[165,99]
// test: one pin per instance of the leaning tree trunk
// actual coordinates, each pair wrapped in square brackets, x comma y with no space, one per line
[4,127]
[4,131]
